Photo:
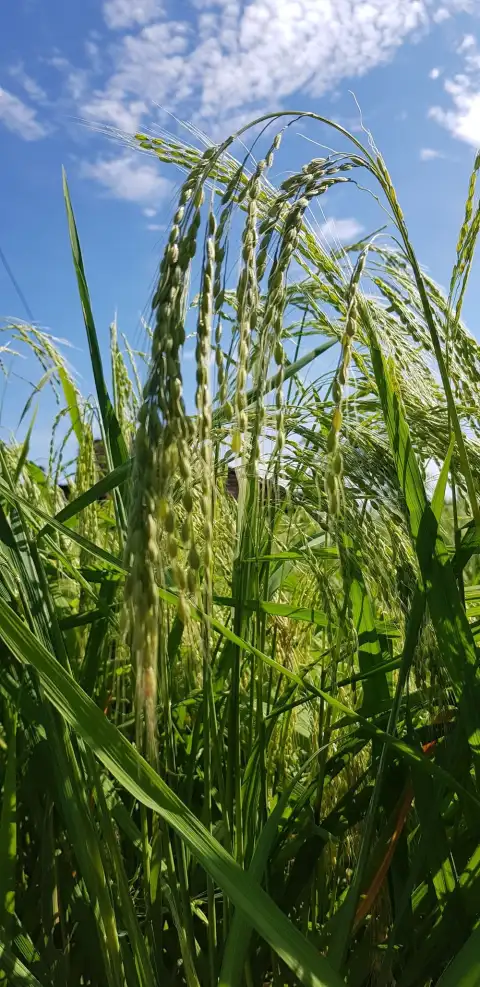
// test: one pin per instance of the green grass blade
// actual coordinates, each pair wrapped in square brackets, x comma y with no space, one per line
[344,918]
[375,690]
[383,177]
[112,430]
[17,972]
[130,769]
[404,750]
[464,970]
[25,448]
[72,785]
[18,501]
[438,498]
[452,628]
[240,933]
[292,368]
[72,402]
[469,545]
[8,825]
[98,642]
[277,610]
[143,966]
[70,782]
[104,486]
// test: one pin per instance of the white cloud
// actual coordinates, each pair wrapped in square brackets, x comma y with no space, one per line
[445,11]
[463,121]
[429,154]
[467,43]
[58,62]
[20,118]
[232,58]
[127,13]
[112,110]
[92,49]
[129,177]
[434,73]
[149,213]
[157,227]
[341,230]
[440,15]
[31,87]
[77,83]
[462,117]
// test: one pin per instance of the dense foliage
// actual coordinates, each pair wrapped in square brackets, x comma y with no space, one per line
[240,735]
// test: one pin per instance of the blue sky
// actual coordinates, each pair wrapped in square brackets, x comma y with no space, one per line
[414,66]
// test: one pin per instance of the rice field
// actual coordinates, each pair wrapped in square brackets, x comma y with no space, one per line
[239,671]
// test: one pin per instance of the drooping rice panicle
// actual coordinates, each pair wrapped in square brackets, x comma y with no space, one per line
[161,445]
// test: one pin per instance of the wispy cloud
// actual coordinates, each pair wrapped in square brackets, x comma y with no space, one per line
[232,58]
[228,61]
[341,230]
[434,73]
[463,121]
[127,13]
[114,111]
[93,53]
[462,116]
[76,80]
[429,154]
[77,83]
[129,177]
[31,87]
[20,118]
[467,44]
[440,15]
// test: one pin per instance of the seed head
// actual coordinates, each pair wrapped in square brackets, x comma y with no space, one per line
[332,441]
[194,558]
[161,447]
[337,420]
[183,609]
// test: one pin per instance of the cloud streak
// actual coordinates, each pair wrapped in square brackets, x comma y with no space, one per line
[462,117]
[341,230]
[235,58]
[129,177]
[20,118]
[30,86]
[220,63]
[429,154]
[127,13]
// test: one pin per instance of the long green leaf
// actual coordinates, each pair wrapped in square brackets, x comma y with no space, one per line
[25,448]
[72,402]
[104,486]
[18,974]
[18,501]
[370,658]
[464,970]
[112,429]
[450,621]
[438,498]
[130,769]
[278,610]
[239,936]
[8,825]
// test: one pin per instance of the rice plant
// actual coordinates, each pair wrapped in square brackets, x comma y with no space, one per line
[239,691]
